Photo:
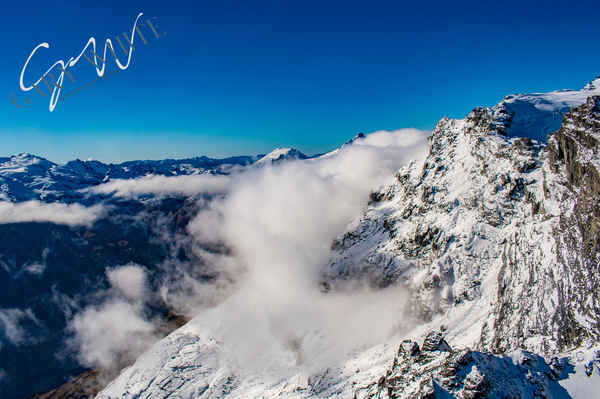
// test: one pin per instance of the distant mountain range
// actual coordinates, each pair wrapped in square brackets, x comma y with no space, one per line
[25,176]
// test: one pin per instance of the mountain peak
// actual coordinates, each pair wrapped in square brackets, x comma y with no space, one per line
[24,159]
[535,115]
[356,137]
[593,85]
[281,154]
[26,156]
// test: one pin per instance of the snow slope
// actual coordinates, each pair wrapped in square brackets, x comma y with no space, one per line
[535,115]
[495,240]
[192,363]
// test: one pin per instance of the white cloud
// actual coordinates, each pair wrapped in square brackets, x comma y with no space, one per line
[129,280]
[113,332]
[36,211]
[162,185]
[111,335]
[394,140]
[279,222]
[11,324]
[35,268]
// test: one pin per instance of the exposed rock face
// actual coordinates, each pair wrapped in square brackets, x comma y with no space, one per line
[436,372]
[434,341]
[495,223]
[567,289]
[84,386]
[573,151]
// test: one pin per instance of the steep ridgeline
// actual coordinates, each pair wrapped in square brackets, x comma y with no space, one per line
[495,237]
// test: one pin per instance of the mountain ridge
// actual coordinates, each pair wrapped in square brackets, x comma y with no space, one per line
[26,176]
[481,235]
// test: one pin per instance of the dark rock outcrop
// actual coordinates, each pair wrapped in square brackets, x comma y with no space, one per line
[432,373]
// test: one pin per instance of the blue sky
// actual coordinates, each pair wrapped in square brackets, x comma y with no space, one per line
[234,78]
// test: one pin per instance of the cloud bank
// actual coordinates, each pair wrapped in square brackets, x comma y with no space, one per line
[267,306]
[59,213]
[280,222]
[162,185]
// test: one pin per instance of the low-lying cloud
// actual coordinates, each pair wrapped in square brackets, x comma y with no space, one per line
[280,222]
[110,334]
[129,280]
[163,185]
[55,212]
[12,329]
[277,222]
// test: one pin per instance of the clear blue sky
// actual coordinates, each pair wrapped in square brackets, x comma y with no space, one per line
[243,77]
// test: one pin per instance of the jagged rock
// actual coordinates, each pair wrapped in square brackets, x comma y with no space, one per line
[475,385]
[465,374]
[491,219]
[434,341]
[409,347]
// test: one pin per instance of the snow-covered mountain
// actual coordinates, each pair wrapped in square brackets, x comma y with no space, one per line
[50,270]
[279,155]
[491,220]
[535,115]
[496,241]
[26,176]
